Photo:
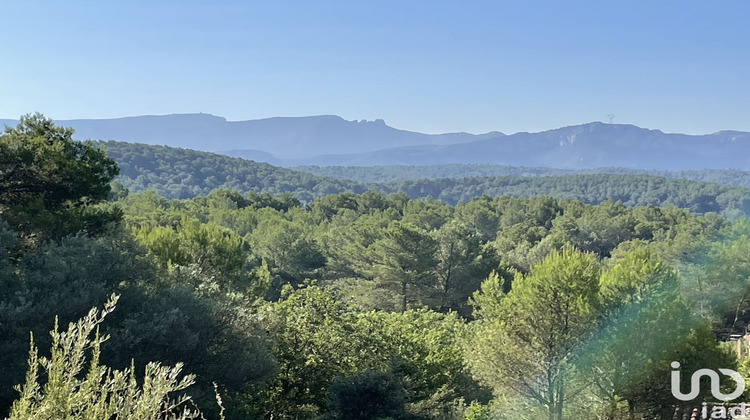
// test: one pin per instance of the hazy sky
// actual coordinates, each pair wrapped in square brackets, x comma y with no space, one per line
[430,66]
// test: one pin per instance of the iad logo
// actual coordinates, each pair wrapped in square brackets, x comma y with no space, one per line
[715,383]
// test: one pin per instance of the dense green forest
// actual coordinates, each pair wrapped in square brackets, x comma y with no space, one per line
[352,306]
[180,173]
[184,173]
[632,190]
[384,174]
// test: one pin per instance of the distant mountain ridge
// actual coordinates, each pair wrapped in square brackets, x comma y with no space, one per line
[332,141]
[281,137]
[584,146]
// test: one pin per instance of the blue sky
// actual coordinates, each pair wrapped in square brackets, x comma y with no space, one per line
[430,66]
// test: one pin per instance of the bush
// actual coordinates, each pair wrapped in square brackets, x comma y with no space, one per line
[101,392]
[367,396]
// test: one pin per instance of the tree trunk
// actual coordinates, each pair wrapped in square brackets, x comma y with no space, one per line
[555,411]
[551,412]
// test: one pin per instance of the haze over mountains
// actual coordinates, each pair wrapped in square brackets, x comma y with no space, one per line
[280,137]
[331,140]
[576,147]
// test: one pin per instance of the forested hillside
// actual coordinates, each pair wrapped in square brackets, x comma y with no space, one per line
[632,190]
[380,174]
[182,173]
[185,173]
[354,306]
[384,174]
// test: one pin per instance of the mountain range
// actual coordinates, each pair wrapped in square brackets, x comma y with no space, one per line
[584,146]
[279,138]
[331,140]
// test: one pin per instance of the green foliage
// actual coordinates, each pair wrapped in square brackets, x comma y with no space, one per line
[357,305]
[566,334]
[323,348]
[48,182]
[477,411]
[365,255]
[632,190]
[720,280]
[461,262]
[289,246]
[78,387]
[369,395]
[170,318]
[640,304]
[423,348]
[308,328]
[179,173]
[182,173]
[64,279]
[404,262]
[211,248]
[384,174]
[525,344]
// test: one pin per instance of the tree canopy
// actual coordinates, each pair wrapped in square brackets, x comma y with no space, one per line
[357,304]
[49,182]
[180,173]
